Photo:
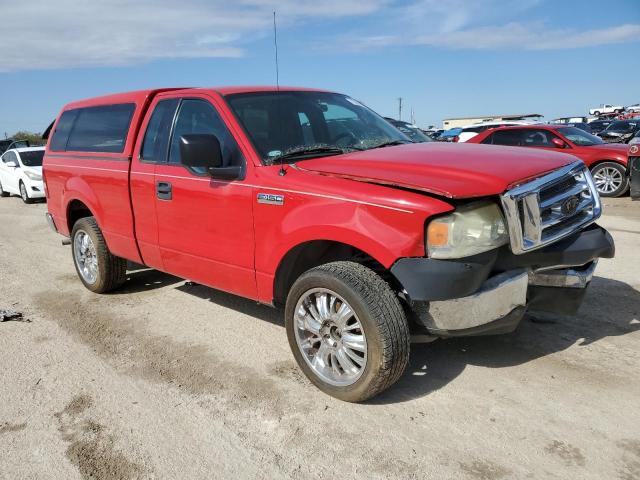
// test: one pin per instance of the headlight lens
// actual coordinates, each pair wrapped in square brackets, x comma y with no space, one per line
[33,176]
[468,231]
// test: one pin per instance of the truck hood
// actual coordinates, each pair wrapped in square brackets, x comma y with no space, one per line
[445,169]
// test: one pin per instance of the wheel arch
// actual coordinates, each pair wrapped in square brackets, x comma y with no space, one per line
[605,160]
[76,209]
[313,253]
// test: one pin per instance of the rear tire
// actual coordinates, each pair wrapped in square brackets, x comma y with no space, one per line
[377,319]
[99,270]
[2,192]
[596,113]
[24,194]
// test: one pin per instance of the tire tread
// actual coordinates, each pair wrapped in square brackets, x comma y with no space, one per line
[386,310]
[113,270]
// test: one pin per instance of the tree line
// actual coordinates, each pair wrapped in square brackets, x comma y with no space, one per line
[35,139]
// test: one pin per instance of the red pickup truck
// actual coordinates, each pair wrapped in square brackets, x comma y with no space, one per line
[309,200]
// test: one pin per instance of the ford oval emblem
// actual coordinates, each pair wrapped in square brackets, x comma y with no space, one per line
[570,206]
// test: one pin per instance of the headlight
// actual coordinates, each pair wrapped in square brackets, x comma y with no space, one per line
[467,231]
[33,176]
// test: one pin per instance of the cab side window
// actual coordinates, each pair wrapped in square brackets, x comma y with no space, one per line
[199,116]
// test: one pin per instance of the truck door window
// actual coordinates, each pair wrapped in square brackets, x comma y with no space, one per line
[156,138]
[199,116]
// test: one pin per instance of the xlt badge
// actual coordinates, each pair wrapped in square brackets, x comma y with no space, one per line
[270,199]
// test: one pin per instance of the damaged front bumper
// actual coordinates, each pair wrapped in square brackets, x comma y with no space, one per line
[489,293]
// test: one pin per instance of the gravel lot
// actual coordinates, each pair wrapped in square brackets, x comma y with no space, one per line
[169,380]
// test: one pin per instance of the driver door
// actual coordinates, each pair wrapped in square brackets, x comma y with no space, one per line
[205,225]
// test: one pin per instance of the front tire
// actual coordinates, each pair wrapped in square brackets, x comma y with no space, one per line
[610,179]
[347,330]
[24,194]
[99,270]
[596,113]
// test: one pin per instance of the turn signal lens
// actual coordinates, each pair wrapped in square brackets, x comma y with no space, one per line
[438,233]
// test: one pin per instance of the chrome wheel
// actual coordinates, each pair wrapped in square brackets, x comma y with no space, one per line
[608,179]
[23,193]
[330,337]
[85,256]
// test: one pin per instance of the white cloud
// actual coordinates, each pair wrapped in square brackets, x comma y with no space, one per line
[530,37]
[482,24]
[46,34]
[49,34]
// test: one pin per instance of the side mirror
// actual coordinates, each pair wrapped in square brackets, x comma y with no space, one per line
[558,143]
[11,164]
[202,150]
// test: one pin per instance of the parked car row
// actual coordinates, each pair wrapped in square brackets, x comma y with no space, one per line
[609,109]
[607,162]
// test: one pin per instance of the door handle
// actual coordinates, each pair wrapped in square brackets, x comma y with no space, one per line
[163,190]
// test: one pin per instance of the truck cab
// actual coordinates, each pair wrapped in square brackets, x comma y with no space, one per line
[308,200]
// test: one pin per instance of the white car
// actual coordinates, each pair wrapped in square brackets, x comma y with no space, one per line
[635,108]
[21,173]
[606,108]
[470,131]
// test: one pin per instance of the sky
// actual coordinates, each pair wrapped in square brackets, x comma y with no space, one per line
[445,58]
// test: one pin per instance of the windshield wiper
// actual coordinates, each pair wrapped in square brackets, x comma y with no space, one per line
[302,152]
[390,143]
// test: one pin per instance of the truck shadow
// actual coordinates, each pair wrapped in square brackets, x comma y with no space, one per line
[142,279]
[611,308]
[239,304]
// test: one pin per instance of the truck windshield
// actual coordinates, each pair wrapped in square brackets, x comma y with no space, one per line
[295,125]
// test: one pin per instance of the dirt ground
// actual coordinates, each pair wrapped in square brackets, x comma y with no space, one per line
[165,379]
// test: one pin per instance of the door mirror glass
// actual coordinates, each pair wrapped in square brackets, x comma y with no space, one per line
[558,143]
[200,150]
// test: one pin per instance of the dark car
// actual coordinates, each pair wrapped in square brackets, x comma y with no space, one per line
[599,125]
[414,133]
[620,131]
[11,143]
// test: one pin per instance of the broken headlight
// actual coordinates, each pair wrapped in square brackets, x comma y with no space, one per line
[468,231]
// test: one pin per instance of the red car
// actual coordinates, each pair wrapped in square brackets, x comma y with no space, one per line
[607,162]
[309,200]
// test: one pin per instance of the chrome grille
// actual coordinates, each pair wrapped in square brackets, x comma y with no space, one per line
[551,207]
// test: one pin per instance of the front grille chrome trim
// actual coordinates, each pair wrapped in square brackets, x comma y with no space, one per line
[534,222]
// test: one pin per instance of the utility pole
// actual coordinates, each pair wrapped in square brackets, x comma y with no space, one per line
[413,117]
[399,108]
